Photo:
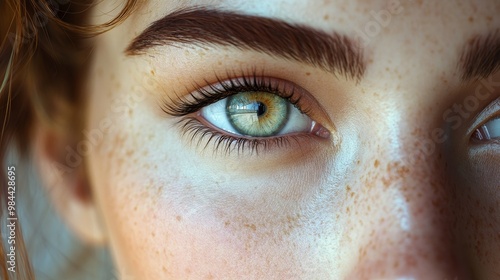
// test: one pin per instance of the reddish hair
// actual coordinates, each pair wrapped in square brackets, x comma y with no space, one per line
[41,43]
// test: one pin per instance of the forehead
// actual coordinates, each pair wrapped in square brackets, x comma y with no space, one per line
[344,14]
[424,37]
[416,24]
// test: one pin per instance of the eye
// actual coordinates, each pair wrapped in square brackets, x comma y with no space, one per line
[252,112]
[488,131]
[257,114]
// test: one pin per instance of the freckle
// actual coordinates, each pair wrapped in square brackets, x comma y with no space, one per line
[308,74]
[178,218]
[153,72]
[251,226]
[376,163]
[386,182]
[471,19]
[129,153]
[402,171]
[227,223]
[326,17]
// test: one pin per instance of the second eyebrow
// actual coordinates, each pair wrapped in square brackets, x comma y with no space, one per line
[332,52]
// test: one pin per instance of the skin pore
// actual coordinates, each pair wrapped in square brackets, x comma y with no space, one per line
[379,198]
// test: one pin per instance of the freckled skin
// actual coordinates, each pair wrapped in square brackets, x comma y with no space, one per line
[376,204]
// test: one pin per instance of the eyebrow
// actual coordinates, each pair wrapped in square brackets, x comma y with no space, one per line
[332,52]
[481,56]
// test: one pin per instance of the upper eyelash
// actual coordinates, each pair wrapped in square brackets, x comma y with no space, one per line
[223,88]
[210,94]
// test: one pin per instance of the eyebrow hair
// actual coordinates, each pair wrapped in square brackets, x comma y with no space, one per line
[481,56]
[333,52]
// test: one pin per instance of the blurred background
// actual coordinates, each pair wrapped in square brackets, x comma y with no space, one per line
[54,251]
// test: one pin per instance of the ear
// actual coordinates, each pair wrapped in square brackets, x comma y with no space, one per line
[63,175]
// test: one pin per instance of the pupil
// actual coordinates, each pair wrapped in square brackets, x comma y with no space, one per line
[261,109]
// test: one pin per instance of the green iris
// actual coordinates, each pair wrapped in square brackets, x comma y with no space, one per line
[257,114]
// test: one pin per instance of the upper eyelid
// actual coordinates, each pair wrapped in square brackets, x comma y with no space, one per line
[309,104]
[224,88]
[492,109]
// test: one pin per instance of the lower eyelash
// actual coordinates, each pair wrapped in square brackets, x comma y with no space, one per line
[202,135]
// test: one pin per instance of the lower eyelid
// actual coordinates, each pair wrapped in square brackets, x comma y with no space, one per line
[202,135]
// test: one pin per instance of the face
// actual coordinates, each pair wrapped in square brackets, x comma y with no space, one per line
[296,140]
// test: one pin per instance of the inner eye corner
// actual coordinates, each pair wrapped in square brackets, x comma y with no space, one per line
[488,131]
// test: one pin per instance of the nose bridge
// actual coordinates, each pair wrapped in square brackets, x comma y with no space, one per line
[411,234]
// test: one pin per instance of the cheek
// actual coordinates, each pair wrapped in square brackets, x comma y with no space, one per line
[478,204]
[170,214]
